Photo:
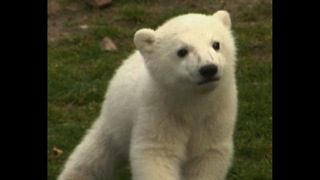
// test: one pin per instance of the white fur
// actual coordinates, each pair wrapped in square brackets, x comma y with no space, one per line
[156,115]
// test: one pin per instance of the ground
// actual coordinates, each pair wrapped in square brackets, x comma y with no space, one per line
[78,71]
[62,14]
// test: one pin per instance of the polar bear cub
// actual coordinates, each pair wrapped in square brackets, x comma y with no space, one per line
[170,109]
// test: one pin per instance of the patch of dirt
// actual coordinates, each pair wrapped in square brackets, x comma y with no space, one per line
[65,17]
[59,15]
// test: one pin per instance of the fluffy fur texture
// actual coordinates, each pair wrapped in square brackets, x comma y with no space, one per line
[160,113]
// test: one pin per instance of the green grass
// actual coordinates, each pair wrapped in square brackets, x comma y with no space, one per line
[78,75]
[133,12]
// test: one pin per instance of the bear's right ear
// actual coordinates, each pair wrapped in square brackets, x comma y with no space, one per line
[144,39]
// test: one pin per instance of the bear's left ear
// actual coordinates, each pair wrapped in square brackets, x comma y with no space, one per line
[224,17]
[144,39]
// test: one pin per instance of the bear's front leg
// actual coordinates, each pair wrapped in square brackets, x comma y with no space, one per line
[212,164]
[157,149]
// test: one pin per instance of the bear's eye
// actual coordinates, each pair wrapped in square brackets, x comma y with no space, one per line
[216,45]
[182,52]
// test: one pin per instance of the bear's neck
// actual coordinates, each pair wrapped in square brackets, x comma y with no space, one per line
[191,97]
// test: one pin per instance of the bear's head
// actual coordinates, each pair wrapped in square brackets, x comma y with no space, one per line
[189,51]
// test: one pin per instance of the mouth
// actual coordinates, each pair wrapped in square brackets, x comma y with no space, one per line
[209,80]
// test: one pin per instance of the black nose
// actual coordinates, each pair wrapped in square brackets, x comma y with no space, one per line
[208,71]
